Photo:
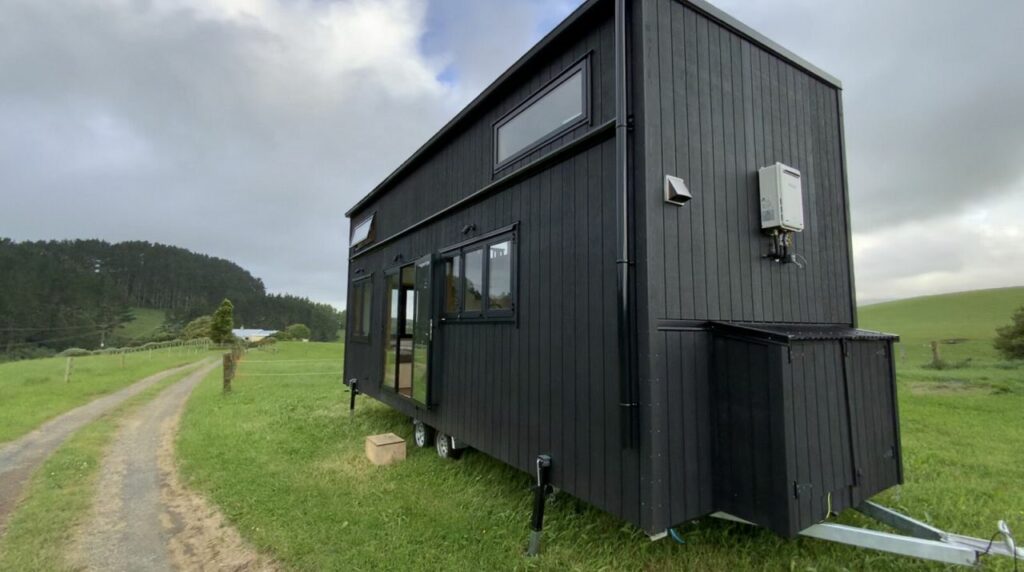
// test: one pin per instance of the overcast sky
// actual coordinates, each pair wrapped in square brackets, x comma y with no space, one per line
[246,128]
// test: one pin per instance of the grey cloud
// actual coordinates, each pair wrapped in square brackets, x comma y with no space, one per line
[126,122]
[932,94]
[248,136]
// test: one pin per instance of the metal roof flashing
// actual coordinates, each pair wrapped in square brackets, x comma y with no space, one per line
[729,21]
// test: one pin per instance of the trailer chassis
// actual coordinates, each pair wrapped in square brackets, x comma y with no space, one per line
[918,539]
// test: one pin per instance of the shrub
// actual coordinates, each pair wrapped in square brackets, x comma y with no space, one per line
[298,332]
[198,328]
[1010,339]
[27,352]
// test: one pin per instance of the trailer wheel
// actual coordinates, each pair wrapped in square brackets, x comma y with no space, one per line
[445,448]
[422,434]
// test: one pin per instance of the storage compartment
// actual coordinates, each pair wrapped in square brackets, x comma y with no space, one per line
[805,421]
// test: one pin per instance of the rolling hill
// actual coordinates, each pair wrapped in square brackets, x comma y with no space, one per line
[973,315]
[964,324]
[82,293]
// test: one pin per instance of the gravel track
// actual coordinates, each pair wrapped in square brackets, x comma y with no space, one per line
[143,518]
[21,457]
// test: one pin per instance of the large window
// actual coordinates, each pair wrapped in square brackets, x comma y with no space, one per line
[361,301]
[559,107]
[480,279]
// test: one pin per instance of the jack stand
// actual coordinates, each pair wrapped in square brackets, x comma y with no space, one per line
[353,388]
[540,493]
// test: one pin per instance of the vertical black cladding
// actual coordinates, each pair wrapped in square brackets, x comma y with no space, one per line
[773,432]
[804,428]
[720,106]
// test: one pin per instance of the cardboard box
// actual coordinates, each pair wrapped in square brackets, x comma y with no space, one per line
[385,449]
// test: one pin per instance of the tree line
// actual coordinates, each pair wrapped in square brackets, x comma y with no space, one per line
[76,293]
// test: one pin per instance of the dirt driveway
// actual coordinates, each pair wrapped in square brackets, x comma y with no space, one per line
[143,518]
[20,458]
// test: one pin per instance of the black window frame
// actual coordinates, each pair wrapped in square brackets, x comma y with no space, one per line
[370,218]
[583,64]
[483,243]
[358,283]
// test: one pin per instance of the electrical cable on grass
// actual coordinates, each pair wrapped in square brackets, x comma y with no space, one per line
[678,538]
[988,549]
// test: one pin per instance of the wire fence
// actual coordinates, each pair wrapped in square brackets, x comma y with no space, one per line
[254,368]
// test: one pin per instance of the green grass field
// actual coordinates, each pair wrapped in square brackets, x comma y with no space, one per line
[284,460]
[147,322]
[61,493]
[964,324]
[33,391]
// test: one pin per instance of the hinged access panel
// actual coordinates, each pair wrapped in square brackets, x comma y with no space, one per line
[805,422]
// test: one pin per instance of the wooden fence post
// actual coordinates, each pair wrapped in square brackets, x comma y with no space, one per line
[229,371]
[67,370]
[122,359]
[936,356]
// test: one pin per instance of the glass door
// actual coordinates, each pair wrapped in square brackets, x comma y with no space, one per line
[408,330]
[422,330]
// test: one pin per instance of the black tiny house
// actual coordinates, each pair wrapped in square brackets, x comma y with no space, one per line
[632,253]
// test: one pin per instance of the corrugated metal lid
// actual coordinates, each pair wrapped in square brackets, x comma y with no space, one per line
[786,333]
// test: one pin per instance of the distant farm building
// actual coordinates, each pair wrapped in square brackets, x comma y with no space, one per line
[251,335]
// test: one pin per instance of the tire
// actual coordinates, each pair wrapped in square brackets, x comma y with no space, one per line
[422,434]
[445,450]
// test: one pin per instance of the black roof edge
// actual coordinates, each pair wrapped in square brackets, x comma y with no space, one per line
[472,106]
[744,30]
[701,5]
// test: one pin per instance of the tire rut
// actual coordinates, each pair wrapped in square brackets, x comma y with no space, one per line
[20,458]
[143,518]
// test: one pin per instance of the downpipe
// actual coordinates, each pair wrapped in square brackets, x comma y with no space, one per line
[627,393]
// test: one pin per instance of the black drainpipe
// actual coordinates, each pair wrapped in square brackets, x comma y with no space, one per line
[627,397]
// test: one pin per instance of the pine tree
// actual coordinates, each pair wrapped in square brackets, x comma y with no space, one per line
[223,322]
[1010,339]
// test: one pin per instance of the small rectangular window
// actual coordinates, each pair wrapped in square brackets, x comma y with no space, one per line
[361,301]
[362,232]
[473,290]
[499,276]
[557,108]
